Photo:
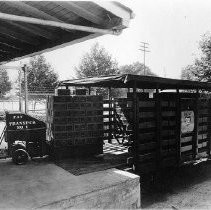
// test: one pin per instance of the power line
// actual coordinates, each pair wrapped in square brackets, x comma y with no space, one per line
[144,48]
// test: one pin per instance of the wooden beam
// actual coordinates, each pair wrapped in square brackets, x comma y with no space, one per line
[9,47]
[118,10]
[18,36]
[6,52]
[68,26]
[34,30]
[50,47]
[80,11]
[30,10]
[12,42]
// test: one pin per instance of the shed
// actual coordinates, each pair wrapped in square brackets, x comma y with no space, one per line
[169,129]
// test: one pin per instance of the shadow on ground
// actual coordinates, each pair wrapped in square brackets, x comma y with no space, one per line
[173,182]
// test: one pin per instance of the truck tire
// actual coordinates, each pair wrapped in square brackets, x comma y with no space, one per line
[20,157]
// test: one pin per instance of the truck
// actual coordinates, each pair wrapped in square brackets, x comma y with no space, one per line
[25,137]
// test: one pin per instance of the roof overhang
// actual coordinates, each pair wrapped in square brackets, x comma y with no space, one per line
[28,28]
[142,82]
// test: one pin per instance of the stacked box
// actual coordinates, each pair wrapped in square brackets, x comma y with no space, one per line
[76,124]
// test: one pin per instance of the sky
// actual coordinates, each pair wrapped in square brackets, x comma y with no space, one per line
[173,29]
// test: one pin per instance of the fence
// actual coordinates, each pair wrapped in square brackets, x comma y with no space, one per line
[169,129]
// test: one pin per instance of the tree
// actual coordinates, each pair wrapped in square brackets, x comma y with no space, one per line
[97,62]
[136,68]
[41,78]
[200,70]
[5,84]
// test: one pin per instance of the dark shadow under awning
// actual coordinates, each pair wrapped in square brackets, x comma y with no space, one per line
[20,38]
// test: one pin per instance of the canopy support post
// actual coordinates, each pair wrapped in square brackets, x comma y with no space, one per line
[178,125]
[110,119]
[24,68]
[158,125]
[135,136]
[196,119]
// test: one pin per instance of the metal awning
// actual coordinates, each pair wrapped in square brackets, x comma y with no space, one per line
[28,28]
[129,80]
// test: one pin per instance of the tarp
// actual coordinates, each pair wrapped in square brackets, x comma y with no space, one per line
[130,81]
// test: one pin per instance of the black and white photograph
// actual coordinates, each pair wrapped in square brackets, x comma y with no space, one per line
[105,104]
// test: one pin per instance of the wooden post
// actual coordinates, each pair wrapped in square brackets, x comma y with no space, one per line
[110,119]
[135,136]
[89,91]
[158,127]
[196,118]
[20,101]
[178,126]
[24,68]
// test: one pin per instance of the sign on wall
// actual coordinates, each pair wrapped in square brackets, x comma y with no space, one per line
[187,121]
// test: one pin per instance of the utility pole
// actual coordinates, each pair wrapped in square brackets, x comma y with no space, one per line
[144,48]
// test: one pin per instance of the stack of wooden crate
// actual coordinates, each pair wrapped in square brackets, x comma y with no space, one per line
[75,124]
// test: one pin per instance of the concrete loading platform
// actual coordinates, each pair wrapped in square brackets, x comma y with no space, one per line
[45,185]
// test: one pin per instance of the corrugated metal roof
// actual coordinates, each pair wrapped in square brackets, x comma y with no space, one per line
[19,39]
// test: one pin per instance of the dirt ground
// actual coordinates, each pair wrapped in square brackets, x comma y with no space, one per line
[188,187]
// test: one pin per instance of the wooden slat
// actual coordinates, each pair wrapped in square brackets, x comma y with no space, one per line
[107,109]
[203,149]
[170,152]
[147,157]
[146,136]
[203,144]
[35,30]
[168,132]
[202,128]
[147,146]
[147,130]
[146,114]
[168,142]
[204,111]
[19,36]
[202,154]
[170,104]
[168,113]
[169,161]
[147,109]
[150,124]
[186,139]
[76,9]
[186,148]
[203,140]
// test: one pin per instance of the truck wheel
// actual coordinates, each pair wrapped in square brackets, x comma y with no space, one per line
[20,157]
